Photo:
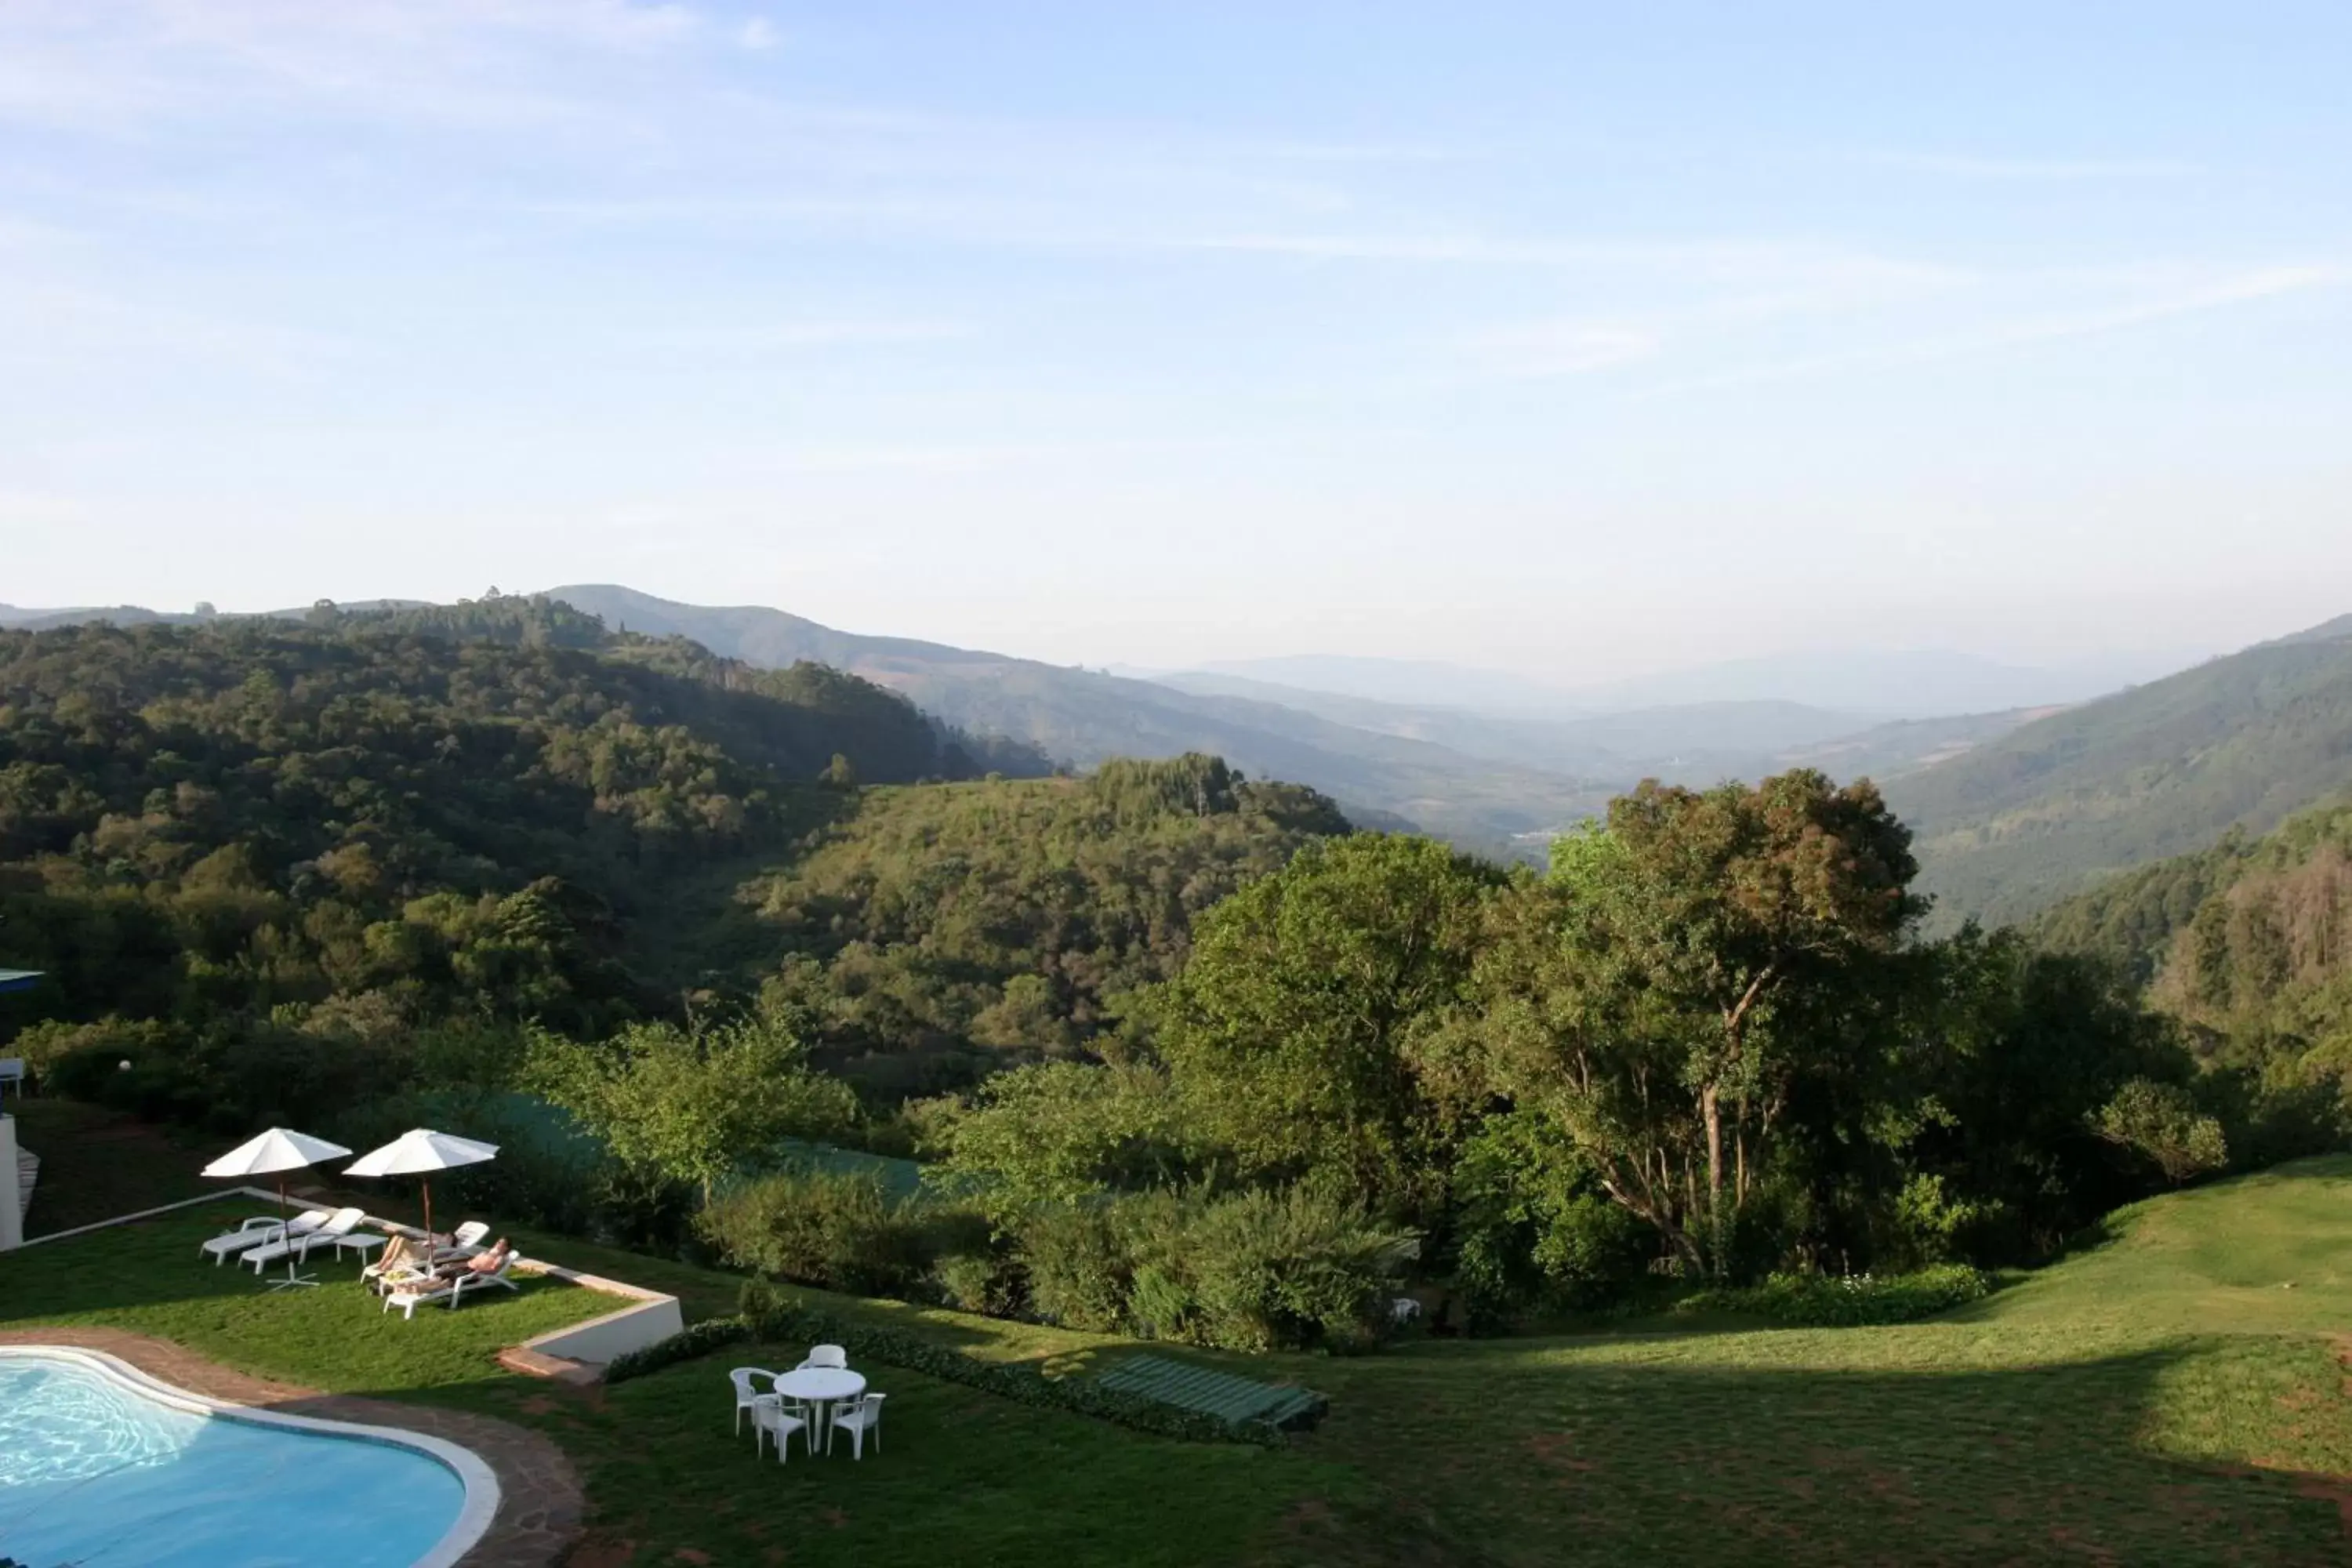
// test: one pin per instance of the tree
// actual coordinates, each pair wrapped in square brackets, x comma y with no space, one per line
[1289,1034]
[1659,994]
[1061,1131]
[2014,1051]
[2160,1123]
[692,1104]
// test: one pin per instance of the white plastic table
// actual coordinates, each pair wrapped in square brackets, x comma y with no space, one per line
[821,1386]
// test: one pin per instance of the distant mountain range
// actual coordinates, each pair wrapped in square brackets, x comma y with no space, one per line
[1862,684]
[1496,783]
[2015,809]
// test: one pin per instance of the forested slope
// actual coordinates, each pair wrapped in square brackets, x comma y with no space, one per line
[502,811]
[404,813]
[2158,770]
[2250,941]
[937,933]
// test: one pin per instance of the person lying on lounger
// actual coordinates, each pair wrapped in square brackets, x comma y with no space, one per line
[487,1261]
[400,1256]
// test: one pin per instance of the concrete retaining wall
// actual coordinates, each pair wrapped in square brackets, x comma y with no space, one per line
[599,1339]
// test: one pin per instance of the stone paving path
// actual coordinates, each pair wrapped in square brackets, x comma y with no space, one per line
[540,1506]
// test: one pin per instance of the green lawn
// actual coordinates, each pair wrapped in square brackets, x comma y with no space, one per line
[2174,1397]
[150,1279]
[97,1164]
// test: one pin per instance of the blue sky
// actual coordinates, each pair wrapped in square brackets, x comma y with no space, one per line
[1576,339]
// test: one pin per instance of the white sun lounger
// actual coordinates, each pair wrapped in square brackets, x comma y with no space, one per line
[464,1242]
[411,1294]
[340,1224]
[256,1231]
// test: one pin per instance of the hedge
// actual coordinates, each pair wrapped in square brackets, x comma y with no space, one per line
[768,1316]
[1851,1301]
[698,1341]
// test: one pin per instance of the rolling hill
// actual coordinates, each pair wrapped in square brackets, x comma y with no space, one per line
[1889,683]
[1082,716]
[2015,825]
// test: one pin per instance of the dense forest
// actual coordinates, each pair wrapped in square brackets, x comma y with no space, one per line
[384,817]
[2247,944]
[934,931]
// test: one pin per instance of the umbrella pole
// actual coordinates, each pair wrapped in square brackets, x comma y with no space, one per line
[426,1182]
[285,1239]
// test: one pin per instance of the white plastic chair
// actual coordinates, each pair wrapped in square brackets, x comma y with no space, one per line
[746,1396]
[860,1417]
[769,1416]
[825,1355]
[12,1070]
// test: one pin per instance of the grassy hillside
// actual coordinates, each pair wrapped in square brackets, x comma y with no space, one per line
[2174,1397]
[2164,769]
[1081,717]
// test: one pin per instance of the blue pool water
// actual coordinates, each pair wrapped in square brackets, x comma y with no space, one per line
[95,1474]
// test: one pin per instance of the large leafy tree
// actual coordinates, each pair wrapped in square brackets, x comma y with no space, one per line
[1059,1132]
[693,1105]
[1290,1036]
[1661,992]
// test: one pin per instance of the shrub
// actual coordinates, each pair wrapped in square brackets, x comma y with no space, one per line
[1253,1270]
[1290,1269]
[1829,1300]
[1591,1251]
[984,1282]
[1160,1305]
[839,1231]
[46,1045]
[1926,1225]
[99,1073]
[1079,1264]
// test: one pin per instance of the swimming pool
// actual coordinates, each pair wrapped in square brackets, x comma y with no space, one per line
[103,1466]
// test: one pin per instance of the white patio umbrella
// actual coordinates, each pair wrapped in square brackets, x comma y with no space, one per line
[274,1154]
[419,1152]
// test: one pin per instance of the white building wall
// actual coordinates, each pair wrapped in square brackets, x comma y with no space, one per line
[12,1203]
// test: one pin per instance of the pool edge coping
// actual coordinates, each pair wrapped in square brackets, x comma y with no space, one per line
[474,1473]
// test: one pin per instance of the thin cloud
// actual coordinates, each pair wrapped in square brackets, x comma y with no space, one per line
[1969,166]
[1543,351]
[2246,287]
[785,336]
[1726,259]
